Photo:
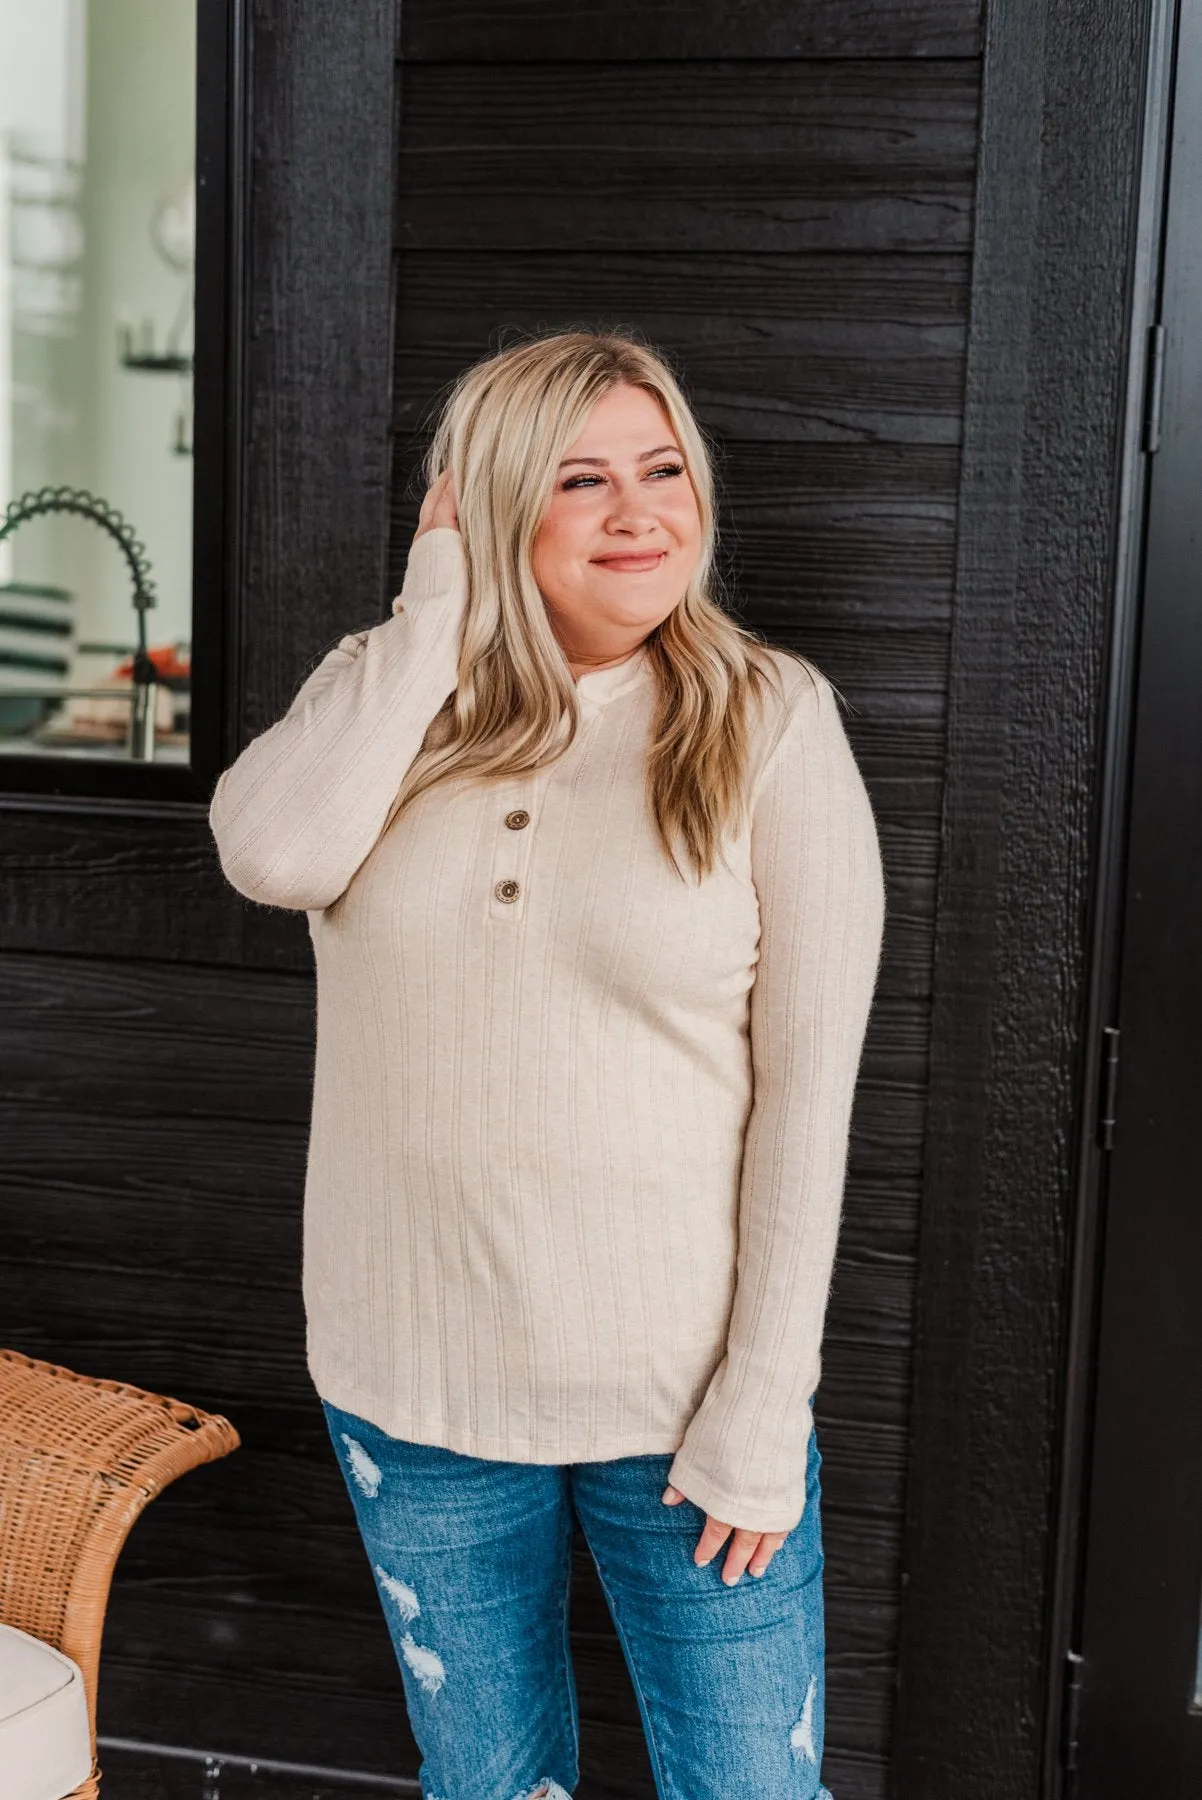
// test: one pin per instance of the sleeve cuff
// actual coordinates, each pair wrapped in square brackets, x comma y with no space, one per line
[749,1508]
[437,565]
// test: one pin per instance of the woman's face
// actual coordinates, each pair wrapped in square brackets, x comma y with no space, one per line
[622,535]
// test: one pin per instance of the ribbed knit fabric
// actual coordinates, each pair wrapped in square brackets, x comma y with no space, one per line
[577,1155]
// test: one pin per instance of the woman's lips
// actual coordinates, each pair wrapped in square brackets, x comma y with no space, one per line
[633,564]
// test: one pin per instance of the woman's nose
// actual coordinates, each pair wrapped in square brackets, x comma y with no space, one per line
[630,512]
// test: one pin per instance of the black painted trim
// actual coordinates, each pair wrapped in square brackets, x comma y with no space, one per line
[217,1760]
[220,411]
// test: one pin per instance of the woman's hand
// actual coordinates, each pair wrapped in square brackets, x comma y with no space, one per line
[439,508]
[750,1550]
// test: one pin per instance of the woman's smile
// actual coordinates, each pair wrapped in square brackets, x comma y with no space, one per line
[630,562]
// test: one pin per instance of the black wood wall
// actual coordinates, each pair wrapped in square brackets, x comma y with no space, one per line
[782,196]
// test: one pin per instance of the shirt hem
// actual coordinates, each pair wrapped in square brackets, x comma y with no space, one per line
[443,1436]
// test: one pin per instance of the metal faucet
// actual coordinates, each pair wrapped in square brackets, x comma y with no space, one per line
[33,505]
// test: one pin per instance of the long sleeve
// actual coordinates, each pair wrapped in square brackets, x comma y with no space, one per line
[301,808]
[817,872]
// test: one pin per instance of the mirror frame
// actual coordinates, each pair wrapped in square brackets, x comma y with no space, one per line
[222,132]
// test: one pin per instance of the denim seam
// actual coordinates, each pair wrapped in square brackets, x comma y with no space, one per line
[565,1655]
[644,1711]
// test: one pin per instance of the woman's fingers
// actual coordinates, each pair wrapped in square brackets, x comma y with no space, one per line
[750,1551]
[446,510]
[743,1546]
[425,516]
[438,507]
[713,1535]
[770,1543]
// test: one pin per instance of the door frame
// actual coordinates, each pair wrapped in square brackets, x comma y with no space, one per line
[1136,1632]
[1050,507]
[1140,444]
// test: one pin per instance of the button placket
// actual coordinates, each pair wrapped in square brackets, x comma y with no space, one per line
[511,859]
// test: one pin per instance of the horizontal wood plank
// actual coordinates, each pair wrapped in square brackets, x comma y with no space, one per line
[133,1040]
[573,30]
[857,1775]
[115,884]
[725,157]
[803,347]
[216,1203]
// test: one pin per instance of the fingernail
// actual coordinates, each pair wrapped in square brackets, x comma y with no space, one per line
[758,1573]
[666,1496]
[731,1580]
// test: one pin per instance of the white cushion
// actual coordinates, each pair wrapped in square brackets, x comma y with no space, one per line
[45,1743]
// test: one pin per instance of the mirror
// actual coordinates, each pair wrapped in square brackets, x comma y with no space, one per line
[97,236]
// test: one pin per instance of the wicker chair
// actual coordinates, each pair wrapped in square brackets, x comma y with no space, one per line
[79,1459]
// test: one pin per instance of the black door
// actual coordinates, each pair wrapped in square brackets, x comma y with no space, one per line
[1141,1681]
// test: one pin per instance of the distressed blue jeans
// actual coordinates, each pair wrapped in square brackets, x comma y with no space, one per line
[471,1560]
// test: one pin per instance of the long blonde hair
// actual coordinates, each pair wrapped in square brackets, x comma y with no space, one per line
[502,433]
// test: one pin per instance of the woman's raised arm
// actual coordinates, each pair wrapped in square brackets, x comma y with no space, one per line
[301,808]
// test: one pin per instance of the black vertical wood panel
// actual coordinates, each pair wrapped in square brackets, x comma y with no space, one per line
[322,334]
[1058,176]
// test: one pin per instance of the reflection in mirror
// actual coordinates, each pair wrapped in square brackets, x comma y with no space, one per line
[97,148]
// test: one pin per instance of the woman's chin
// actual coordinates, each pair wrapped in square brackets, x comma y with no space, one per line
[634,605]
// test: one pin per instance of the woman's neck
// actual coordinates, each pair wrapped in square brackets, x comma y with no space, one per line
[588,668]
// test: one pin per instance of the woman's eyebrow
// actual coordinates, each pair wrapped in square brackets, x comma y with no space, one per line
[602,462]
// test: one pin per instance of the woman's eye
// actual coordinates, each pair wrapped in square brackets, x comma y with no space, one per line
[662,471]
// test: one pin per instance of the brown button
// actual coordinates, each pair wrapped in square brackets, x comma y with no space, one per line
[515,820]
[507,890]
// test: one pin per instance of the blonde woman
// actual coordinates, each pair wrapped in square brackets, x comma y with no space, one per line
[596,903]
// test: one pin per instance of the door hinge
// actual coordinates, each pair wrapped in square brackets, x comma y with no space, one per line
[1153,389]
[1070,1735]
[1108,1099]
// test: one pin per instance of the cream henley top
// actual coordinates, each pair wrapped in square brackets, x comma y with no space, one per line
[580,1128]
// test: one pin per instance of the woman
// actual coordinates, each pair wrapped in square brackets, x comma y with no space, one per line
[596,902]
